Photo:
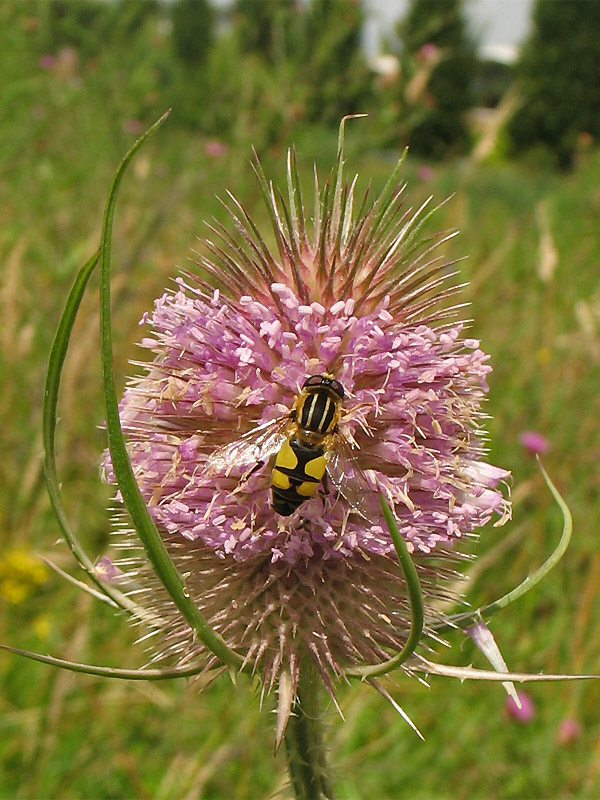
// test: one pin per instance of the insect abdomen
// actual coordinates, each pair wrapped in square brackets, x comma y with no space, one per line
[297,472]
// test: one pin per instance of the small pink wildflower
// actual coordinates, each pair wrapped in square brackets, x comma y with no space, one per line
[524,714]
[133,126]
[215,149]
[353,294]
[425,173]
[534,442]
[429,51]
[568,731]
[47,61]
[106,570]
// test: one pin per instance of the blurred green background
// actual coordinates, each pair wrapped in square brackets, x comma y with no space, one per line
[78,82]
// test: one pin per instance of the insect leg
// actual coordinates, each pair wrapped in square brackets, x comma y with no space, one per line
[324,490]
[247,475]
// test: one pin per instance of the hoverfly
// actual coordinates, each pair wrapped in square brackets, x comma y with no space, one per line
[309,449]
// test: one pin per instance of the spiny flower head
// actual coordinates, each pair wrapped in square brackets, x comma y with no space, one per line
[355,294]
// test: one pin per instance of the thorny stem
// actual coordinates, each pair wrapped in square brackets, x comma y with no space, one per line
[305,741]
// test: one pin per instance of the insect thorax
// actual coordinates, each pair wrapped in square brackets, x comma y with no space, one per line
[317,411]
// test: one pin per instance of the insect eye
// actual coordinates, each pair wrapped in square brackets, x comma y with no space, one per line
[314,380]
[324,380]
[337,387]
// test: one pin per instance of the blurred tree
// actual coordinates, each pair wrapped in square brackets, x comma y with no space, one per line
[192,38]
[330,56]
[558,75]
[91,26]
[193,30]
[434,34]
[494,79]
[316,52]
[263,27]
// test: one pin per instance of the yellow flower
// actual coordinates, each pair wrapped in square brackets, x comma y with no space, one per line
[20,573]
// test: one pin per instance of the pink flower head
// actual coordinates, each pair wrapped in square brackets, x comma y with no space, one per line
[524,714]
[106,570]
[533,442]
[429,51]
[568,731]
[352,294]
[425,173]
[133,126]
[47,61]
[215,149]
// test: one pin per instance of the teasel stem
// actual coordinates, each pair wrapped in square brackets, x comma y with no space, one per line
[305,740]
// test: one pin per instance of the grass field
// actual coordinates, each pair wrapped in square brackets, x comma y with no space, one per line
[534,265]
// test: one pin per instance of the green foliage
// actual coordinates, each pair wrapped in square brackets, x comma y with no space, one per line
[264,28]
[268,65]
[91,25]
[558,76]
[186,82]
[319,43]
[434,35]
[330,51]
[193,30]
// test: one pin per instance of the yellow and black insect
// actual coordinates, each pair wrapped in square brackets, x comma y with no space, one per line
[309,448]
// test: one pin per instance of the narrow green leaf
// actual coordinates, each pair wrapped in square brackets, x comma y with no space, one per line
[56,360]
[531,580]
[55,365]
[79,584]
[143,522]
[108,672]
[415,597]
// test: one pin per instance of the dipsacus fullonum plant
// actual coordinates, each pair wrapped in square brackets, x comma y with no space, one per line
[353,296]
[299,460]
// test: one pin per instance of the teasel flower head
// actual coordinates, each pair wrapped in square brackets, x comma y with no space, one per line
[354,292]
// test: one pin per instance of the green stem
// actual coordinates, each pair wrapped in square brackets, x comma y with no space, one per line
[305,741]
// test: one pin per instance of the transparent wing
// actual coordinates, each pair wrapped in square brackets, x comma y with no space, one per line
[257,445]
[350,480]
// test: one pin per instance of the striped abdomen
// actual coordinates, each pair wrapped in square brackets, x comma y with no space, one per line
[297,472]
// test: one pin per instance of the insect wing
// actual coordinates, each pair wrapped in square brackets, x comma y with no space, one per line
[350,480]
[257,445]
